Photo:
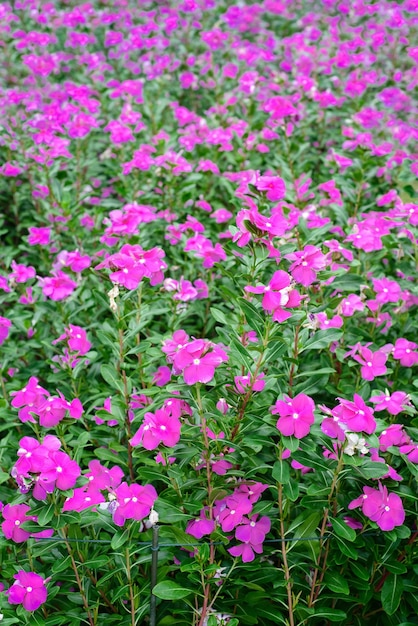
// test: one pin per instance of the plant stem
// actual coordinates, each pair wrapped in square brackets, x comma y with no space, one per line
[78,579]
[286,568]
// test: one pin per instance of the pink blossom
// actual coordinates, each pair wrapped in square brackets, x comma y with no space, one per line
[5,325]
[39,236]
[22,273]
[248,383]
[296,415]
[278,295]
[28,589]
[133,502]
[324,322]
[393,435]
[58,286]
[355,415]
[273,185]
[405,352]
[305,264]
[230,512]
[200,526]
[162,376]
[373,363]
[379,506]
[393,403]
[77,339]
[350,305]
[198,360]
[14,516]
[386,290]
[157,428]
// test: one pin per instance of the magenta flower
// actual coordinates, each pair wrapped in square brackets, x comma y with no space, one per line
[200,526]
[230,511]
[57,287]
[253,531]
[356,415]
[5,325]
[379,506]
[76,338]
[386,290]
[133,502]
[249,383]
[279,293]
[14,516]
[393,403]
[405,352]
[22,273]
[39,236]
[159,427]
[162,376]
[273,185]
[198,360]
[393,435]
[28,589]
[306,263]
[373,363]
[296,415]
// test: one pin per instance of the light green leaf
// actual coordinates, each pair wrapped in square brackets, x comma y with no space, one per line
[169,590]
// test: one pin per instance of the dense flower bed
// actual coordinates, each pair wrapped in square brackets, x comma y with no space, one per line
[208,312]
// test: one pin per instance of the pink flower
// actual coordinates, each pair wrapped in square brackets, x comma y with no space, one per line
[279,293]
[404,351]
[252,533]
[58,287]
[157,428]
[5,325]
[393,435]
[133,502]
[22,273]
[350,305]
[379,506]
[162,376]
[14,516]
[247,383]
[77,339]
[200,526]
[386,290]
[393,403]
[373,363]
[296,415]
[198,360]
[229,512]
[356,416]
[273,185]
[306,263]
[28,589]
[39,236]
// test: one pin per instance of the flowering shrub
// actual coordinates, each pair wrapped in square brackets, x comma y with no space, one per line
[208,313]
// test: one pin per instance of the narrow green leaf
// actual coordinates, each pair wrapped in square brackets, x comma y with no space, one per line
[218,315]
[281,472]
[321,465]
[342,529]
[119,538]
[322,339]
[110,375]
[391,594]
[169,590]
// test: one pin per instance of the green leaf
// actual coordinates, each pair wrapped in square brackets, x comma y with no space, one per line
[373,469]
[333,615]
[46,515]
[254,319]
[391,594]
[322,339]
[321,465]
[111,377]
[281,472]
[291,490]
[342,529]
[218,315]
[119,538]
[169,590]
[337,583]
